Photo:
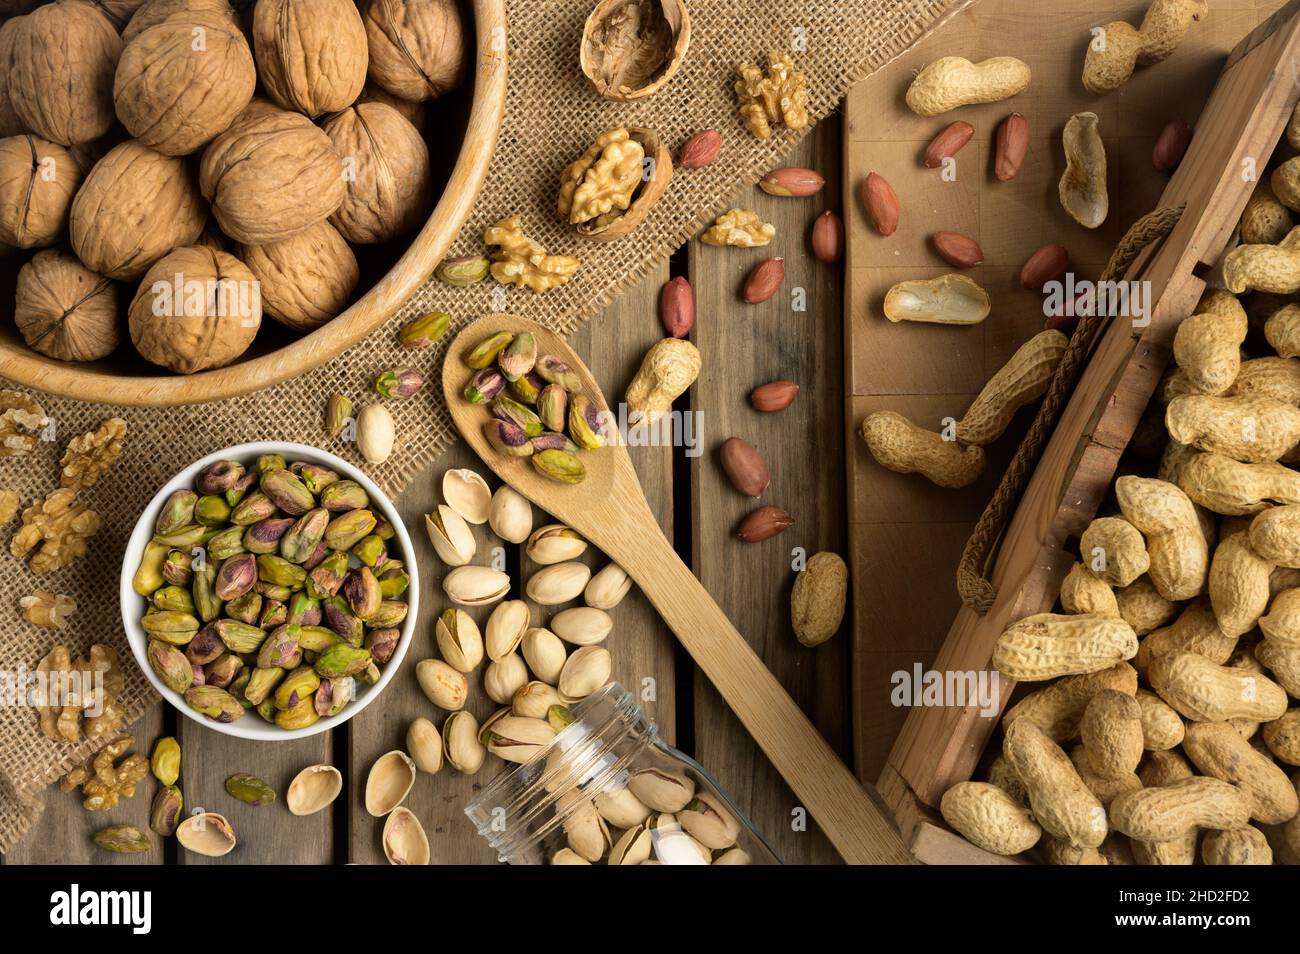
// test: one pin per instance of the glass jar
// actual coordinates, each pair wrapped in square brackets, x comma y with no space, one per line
[609,789]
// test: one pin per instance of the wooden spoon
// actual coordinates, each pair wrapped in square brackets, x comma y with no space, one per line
[610,510]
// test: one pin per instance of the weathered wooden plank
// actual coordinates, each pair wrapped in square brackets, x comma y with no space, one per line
[744,346]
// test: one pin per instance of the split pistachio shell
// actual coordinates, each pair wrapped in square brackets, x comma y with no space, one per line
[661,789]
[585,671]
[475,585]
[444,686]
[558,583]
[389,781]
[584,829]
[511,515]
[621,808]
[567,856]
[674,847]
[207,834]
[459,640]
[485,730]
[534,700]
[405,842]
[582,625]
[467,493]
[607,588]
[506,628]
[545,654]
[736,856]
[555,543]
[314,788]
[632,847]
[707,820]
[425,746]
[464,752]
[504,677]
[517,739]
[450,535]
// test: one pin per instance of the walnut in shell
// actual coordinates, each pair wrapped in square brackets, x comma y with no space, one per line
[134,207]
[417,114]
[272,174]
[608,191]
[184,81]
[306,279]
[118,12]
[65,310]
[21,423]
[38,179]
[311,54]
[631,48]
[197,308]
[387,164]
[154,12]
[61,62]
[417,47]
[10,124]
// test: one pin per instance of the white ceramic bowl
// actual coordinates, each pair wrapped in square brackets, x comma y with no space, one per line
[251,725]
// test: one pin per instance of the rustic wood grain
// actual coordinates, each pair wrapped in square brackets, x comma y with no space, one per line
[744,346]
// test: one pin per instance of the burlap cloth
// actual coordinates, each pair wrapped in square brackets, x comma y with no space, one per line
[551,116]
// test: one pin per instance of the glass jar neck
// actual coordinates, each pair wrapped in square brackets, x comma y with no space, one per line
[519,809]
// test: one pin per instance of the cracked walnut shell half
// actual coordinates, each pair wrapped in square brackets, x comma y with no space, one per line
[611,188]
[631,48]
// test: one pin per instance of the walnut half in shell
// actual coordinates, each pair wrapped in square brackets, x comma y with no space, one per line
[609,190]
[631,48]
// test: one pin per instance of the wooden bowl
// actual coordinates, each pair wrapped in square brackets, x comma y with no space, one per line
[390,271]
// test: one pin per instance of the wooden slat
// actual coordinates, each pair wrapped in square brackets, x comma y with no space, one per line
[62,835]
[641,646]
[744,346]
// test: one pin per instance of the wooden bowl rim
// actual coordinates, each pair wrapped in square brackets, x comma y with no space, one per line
[23,366]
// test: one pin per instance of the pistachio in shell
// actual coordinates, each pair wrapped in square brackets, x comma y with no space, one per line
[555,543]
[388,783]
[504,677]
[631,48]
[545,654]
[460,743]
[444,686]
[709,822]
[313,789]
[405,842]
[207,834]
[466,492]
[424,744]
[459,640]
[506,628]
[450,535]
[663,790]
[475,585]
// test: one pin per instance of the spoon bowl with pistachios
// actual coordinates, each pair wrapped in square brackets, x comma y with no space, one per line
[563,452]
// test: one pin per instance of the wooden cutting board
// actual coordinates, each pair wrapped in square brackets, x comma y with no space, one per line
[906,535]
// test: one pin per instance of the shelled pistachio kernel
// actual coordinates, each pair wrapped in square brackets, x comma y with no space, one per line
[463,271]
[425,330]
[399,384]
[486,351]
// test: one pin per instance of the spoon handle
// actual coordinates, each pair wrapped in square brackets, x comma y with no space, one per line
[855,824]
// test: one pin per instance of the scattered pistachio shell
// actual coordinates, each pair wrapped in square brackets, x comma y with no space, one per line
[506,628]
[607,588]
[585,671]
[460,743]
[314,788]
[510,515]
[389,781]
[582,625]
[207,834]
[405,842]
[545,654]
[555,543]
[450,535]
[467,493]
[425,746]
[558,583]
[475,585]
[504,677]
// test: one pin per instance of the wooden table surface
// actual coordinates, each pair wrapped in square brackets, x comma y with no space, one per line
[742,346]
